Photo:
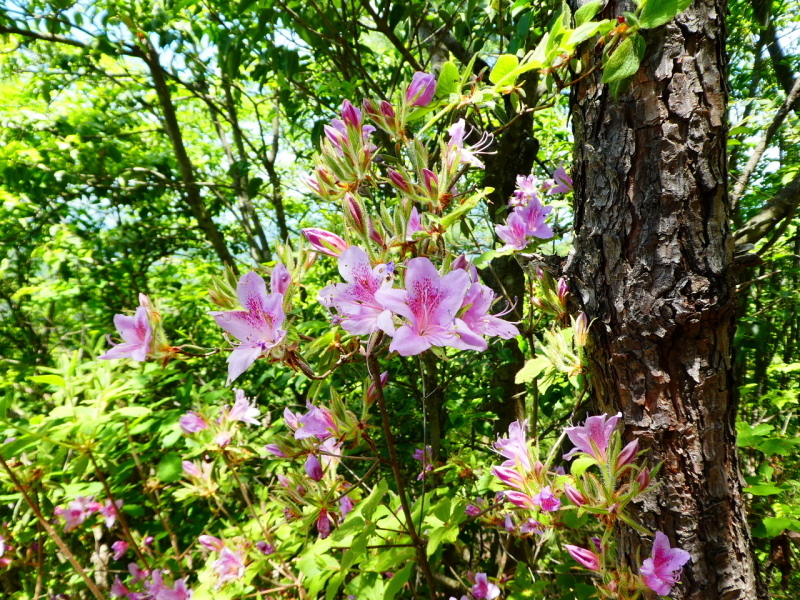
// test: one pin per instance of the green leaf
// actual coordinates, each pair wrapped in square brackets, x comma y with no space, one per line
[133,412]
[625,60]
[170,468]
[579,465]
[763,489]
[253,185]
[397,582]
[584,32]
[503,70]
[55,380]
[587,12]
[772,527]
[448,81]
[531,370]
[466,206]
[658,12]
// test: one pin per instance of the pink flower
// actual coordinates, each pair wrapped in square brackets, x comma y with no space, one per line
[275,450]
[137,573]
[592,437]
[587,558]
[414,225]
[510,476]
[317,422]
[229,566]
[515,446]
[242,410]
[118,589]
[136,333]
[430,303]
[643,479]
[120,548]
[111,511]
[359,310]
[192,422]
[561,182]
[325,242]
[531,526]
[546,500]
[257,327]
[662,570]
[514,233]
[534,215]
[372,391]
[421,89]
[527,190]
[457,153]
[484,589]
[478,301]
[425,456]
[76,512]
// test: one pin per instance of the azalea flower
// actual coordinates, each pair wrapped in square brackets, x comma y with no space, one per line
[484,589]
[663,569]
[265,548]
[110,510]
[136,333]
[313,468]
[360,313]
[242,410]
[192,422]
[118,589]
[527,191]
[458,153]
[592,437]
[515,446]
[523,224]
[414,225]
[318,422]
[477,302]
[430,303]
[76,512]
[257,327]
[546,500]
[120,548]
[561,182]
[229,566]
[425,456]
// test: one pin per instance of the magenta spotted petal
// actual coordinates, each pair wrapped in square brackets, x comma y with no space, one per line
[258,327]
[360,313]
[662,570]
[593,436]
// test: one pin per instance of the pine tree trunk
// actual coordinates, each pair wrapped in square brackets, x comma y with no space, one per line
[652,264]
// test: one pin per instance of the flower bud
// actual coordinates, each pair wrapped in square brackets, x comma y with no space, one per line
[628,454]
[387,112]
[643,479]
[421,89]
[280,279]
[374,234]
[585,557]
[190,469]
[398,181]
[351,115]
[211,543]
[324,524]
[313,467]
[372,392]
[574,495]
[354,213]
[563,290]
[581,330]
[324,241]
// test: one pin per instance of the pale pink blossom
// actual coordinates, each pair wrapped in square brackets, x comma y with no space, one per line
[110,510]
[229,566]
[120,548]
[484,589]
[192,422]
[593,436]
[136,334]
[77,512]
[258,327]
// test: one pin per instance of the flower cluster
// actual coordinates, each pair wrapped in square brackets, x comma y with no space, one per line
[450,310]
[82,508]
[152,586]
[527,219]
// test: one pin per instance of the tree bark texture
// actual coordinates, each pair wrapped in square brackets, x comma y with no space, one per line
[652,265]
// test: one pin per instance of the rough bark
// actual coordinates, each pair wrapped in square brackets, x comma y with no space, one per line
[652,264]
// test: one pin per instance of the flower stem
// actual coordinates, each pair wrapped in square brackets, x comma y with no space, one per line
[375,374]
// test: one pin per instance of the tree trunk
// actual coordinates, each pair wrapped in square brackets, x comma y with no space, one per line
[652,264]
